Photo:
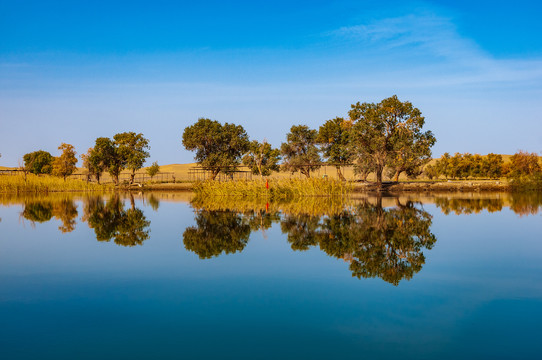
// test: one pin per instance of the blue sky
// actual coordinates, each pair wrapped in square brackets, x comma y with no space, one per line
[73,71]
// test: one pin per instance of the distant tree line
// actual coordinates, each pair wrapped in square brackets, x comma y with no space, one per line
[126,151]
[491,166]
[376,136]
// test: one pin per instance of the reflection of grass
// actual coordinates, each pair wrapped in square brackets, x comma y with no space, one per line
[44,184]
[278,189]
[307,205]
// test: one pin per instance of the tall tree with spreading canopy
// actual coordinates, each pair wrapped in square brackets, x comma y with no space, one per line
[261,158]
[382,131]
[413,152]
[132,150]
[334,140]
[300,152]
[218,147]
[64,165]
[38,162]
[106,157]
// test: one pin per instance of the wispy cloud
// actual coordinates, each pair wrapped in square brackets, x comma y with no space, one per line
[433,41]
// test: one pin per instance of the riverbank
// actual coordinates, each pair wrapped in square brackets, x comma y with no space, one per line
[415,186]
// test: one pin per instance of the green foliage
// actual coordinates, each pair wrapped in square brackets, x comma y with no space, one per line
[104,157]
[218,147]
[131,148]
[216,232]
[38,162]
[376,241]
[300,152]
[389,133]
[127,227]
[334,139]
[64,165]
[153,169]
[261,158]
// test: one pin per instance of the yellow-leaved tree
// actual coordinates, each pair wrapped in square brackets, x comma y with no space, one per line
[64,165]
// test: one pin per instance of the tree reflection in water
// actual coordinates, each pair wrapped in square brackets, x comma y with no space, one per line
[63,209]
[110,220]
[217,232]
[377,242]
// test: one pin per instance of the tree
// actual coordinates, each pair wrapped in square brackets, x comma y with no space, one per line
[261,158]
[38,162]
[105,156]
[131,149]
[64,165]
[300,152]
[218,147]
[431,172]
[442,165]
[413,152]
[153,169]
[492,166]
[334,139]
[522,163]
[382,131]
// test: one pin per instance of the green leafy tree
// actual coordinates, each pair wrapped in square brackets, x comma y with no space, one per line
[132,151]
[218,147]
[38,162]
[64,165]
[106,156]
[334,140]
[300,152]
[383,130]
[261,158]
[413,152]
[153,169]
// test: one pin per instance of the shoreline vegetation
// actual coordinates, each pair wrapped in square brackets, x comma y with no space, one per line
[31,183]
[276,188]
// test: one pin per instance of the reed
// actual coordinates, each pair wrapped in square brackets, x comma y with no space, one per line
[44,184]
[278,188]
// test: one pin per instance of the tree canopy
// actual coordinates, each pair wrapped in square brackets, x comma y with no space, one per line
[218,147]
[38,162]
[153,169]
[64,165]
[261,158]
[300,152]
[131,148]
[383,133]
[334,139]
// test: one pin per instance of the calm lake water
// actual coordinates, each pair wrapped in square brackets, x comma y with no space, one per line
[168,275]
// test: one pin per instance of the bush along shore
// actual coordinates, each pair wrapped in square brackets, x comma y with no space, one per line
[44,184]
[276,189]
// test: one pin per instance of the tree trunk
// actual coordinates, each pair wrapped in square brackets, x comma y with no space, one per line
[214,173]
[340,174]
[396,176]
[379,170]
[132,176]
